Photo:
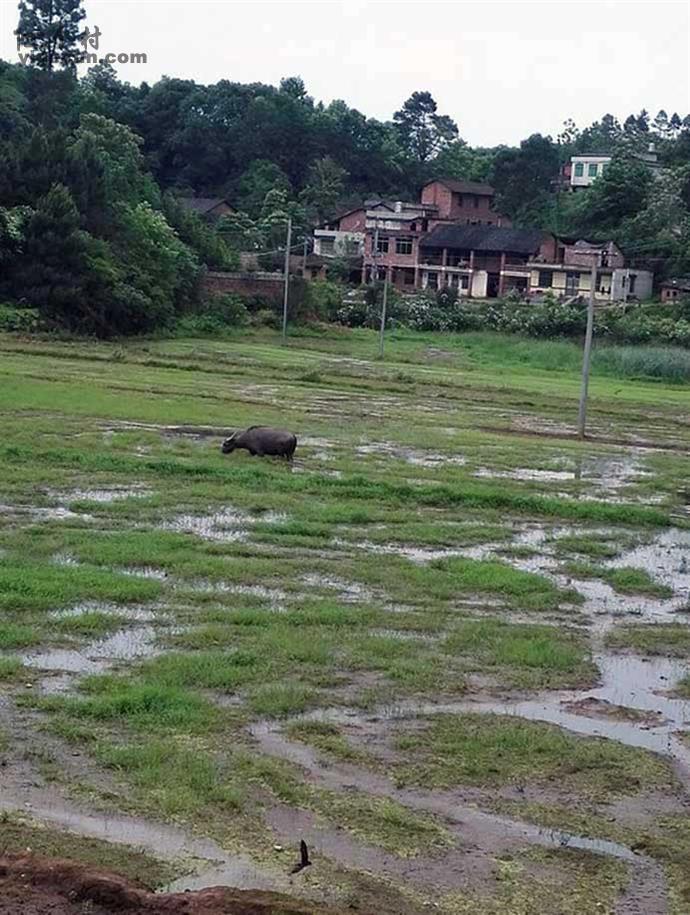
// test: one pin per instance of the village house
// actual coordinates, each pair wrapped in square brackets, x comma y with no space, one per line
[582,171]
[481,261]
[568,275]
[454,237]
[209,208]
[675,288]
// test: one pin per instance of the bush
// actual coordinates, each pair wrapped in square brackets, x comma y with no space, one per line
[19,320]
[219,314]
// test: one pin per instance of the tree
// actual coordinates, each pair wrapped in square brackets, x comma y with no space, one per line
[521,176]
[620,193]
[325,187]
[51,274]
[261,177]
[423,132]
[51,29]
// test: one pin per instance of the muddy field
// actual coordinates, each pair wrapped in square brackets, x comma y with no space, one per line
[448,648]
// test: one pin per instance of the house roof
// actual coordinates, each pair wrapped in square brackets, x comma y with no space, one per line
[203,204]
[464,187]
[678,282]
[484,238]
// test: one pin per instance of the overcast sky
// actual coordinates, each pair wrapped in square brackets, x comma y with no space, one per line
[502,70]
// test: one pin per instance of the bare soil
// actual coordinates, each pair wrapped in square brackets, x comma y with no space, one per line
[32,885]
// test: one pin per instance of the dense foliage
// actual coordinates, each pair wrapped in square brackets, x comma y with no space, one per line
[93,234]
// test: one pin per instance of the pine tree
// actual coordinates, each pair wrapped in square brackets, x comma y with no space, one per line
[51,29]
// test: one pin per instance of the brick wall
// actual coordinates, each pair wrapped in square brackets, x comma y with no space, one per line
[268,286]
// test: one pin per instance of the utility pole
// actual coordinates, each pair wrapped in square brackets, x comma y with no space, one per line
[582,416]
[286,290]
[383,313]
[304,256]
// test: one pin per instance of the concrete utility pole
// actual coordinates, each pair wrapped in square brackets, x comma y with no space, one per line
[582,417]
[286,290]
[304,256]
[384,307]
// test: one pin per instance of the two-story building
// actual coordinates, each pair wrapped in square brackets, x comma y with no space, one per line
[481,261]
[569,273]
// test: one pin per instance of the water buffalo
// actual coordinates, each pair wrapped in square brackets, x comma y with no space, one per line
[262,441]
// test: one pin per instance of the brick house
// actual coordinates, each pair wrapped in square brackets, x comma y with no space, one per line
[675,288]
[465,202]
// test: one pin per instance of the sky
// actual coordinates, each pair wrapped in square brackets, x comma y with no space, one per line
[501,70]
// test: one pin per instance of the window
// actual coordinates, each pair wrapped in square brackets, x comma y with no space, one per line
[593,170]
[631,283]
[459,199]
[382,245]
[327,246]
[352,247]
[432,280]
[572,283]
[579,169]
[403,246]
[476,202]
[545,279]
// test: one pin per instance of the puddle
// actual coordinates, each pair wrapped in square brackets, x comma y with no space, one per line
[103,496]
[629,682]
[410,455]
[99,655]
[666,558]
[608,474]
[221,869]
[274,596]
[477,829]
[144,572]
[43,513]
[348,591]
[226,525]
[135,614]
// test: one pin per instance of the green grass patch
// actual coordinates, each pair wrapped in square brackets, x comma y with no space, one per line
[493,750]
[26,585]
[175,780]
[540,656]
[655,638]
[15,635]
[143,706]
[10,669]
[278,700]
[625,580]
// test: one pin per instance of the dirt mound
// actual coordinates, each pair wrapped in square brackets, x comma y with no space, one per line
[31,885]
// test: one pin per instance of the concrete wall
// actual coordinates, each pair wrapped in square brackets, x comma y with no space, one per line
[642,290]
[345,244]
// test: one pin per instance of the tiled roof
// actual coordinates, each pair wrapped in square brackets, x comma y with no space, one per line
[464,187]
[484,238]
[202,204]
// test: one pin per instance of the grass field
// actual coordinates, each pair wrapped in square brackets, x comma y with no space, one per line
[447,611]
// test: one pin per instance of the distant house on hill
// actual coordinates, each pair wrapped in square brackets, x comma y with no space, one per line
[677,287]
[209,208]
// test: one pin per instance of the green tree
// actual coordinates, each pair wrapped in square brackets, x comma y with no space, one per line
[52,30]
[325,187]
[52,272]
[261,177]
[523,176]
[422,131]
[621,192]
